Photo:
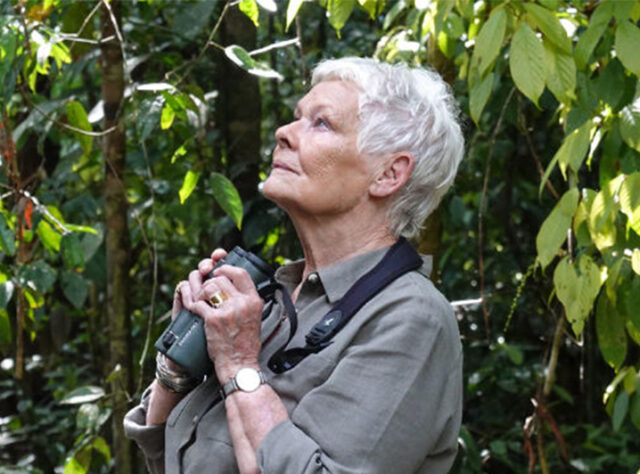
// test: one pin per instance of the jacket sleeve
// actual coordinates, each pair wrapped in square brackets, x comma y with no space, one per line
[392,403]
[150,439]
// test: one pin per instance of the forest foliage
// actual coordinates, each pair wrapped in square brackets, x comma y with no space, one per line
[538,244]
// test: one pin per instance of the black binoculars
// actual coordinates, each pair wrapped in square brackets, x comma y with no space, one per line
[184,342]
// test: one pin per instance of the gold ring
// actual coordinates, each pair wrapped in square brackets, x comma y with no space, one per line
[217,298]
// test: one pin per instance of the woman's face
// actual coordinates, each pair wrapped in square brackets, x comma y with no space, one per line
[317,168]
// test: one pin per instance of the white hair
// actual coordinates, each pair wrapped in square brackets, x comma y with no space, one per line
[405,109]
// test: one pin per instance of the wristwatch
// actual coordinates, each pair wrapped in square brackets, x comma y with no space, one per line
[246,380]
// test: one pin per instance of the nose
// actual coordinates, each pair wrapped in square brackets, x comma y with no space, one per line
[284,136]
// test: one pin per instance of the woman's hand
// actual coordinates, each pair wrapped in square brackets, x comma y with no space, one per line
[232,328]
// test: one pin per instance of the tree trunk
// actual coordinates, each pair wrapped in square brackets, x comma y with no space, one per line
[117,235]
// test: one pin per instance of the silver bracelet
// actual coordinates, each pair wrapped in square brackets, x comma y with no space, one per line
[176,382]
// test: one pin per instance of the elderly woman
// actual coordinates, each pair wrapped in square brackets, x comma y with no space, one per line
[371,151]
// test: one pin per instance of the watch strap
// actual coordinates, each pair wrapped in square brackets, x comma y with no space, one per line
[232,385]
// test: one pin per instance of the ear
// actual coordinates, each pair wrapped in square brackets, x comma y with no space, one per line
[393,175]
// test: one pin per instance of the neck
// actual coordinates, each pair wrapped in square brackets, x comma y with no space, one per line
[326,241]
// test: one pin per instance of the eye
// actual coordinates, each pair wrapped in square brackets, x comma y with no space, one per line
[321,122]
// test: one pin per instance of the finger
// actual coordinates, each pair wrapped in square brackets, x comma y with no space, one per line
[177,299]
[205,266]
[218,254]
[239,276]
[195,282]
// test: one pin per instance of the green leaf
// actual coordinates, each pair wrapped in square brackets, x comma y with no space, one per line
[553,231]
[6,292]
[629,195]
[393,13]
[72,252]
[620,409]
[100,445]
[77,117]
[188,185]
[479,95]
[629,300]
[241,58]
[81,395]
[339,12]
[602,216]
[634,409]
[370,6]
[192,17]
[148,116]
[630,124]
[79,463]
[612,338]
[588,41]
[75,288]
[635,261]
[168,114]
[87,416]
[577,287]
[36,275]
[551,28]
[180,151]
[561,74]
[489,40]
[250,8]
[7,239]
[5,330]
[227,196]
[626,44]
[293,7]
[49,237]
[527,63]
[574,148]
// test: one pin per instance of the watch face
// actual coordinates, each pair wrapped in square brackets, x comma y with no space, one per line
[248,379]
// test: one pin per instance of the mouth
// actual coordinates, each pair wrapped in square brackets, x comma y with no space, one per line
[278,165]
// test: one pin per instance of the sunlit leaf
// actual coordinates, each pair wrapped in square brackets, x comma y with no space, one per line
[250,8]
[577,285]
[479,95]
[627,41]
[635,261]
[527,63]
[77,117]
[49,237]
[84,394]
[561,73]
[167,116]
[629,195]
[188,185]
[602,216]
[550,26]
[227,196]
[489,40]
[553,231]
[630,124]
[293,7]
[100,445]
[339,12]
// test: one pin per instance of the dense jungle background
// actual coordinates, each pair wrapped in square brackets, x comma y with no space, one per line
[133,136]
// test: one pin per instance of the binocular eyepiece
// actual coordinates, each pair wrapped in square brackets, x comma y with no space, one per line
[184,342]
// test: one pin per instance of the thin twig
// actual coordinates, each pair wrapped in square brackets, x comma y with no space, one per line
[523,125]
[191,64]
[86,22]
[41,207]
[50,118]
[485,186]
[154,259]
[76,39]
